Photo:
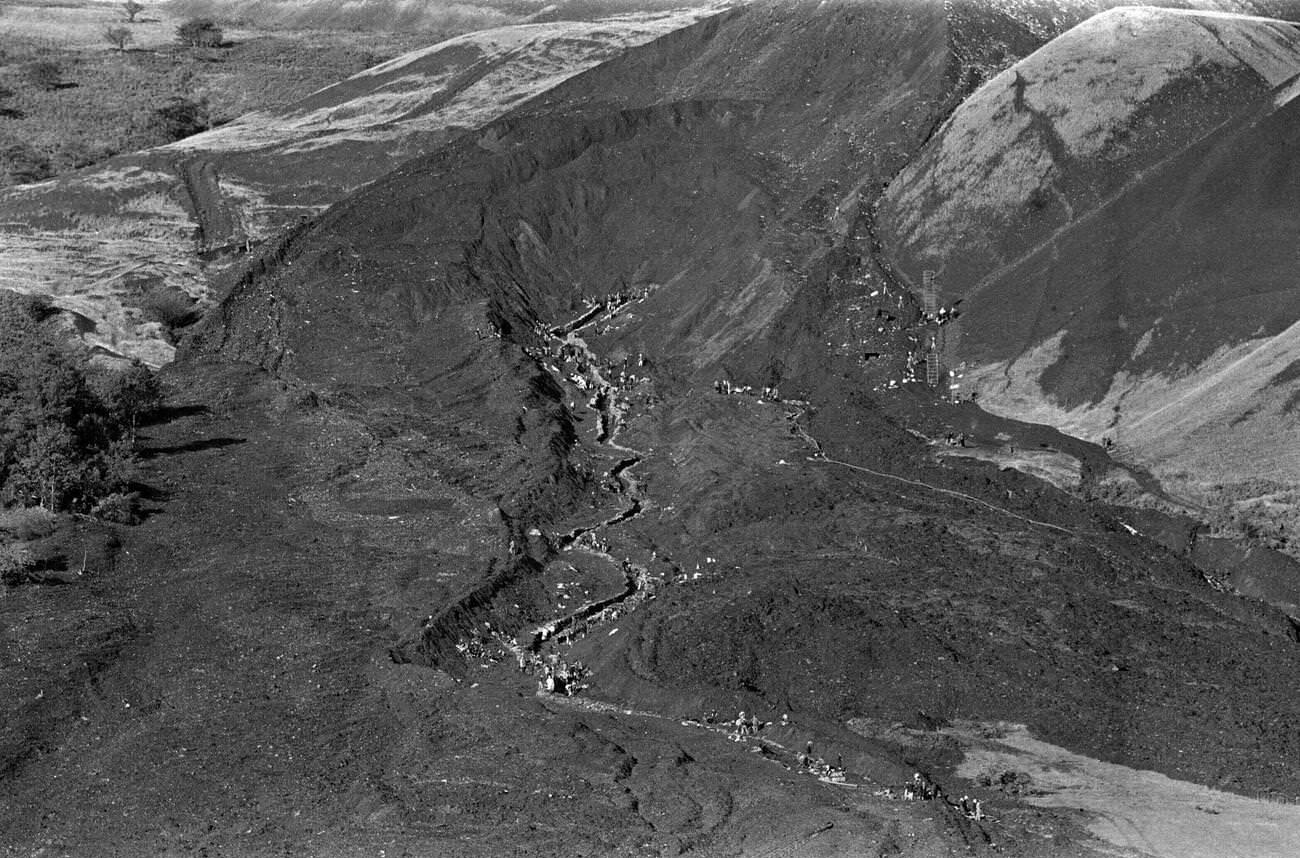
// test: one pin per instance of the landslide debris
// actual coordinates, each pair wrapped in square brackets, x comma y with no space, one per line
[600,343]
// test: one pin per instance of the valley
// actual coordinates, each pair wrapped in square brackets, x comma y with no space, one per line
[558,393]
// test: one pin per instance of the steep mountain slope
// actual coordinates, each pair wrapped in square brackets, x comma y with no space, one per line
[498,411]
[174,217]
[1129,185]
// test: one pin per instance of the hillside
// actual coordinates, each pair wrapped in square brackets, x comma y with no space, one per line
[172,219]
[1130,186]
[621,377]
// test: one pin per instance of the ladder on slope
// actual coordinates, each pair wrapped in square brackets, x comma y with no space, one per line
[930,301]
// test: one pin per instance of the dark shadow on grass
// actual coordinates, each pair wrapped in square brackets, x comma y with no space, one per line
[152,500]
[149,493]
[175,412]
[191,447]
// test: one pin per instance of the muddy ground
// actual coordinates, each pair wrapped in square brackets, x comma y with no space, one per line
[620,348]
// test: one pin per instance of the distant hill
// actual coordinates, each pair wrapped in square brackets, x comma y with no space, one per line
[1115,213]
[418,15]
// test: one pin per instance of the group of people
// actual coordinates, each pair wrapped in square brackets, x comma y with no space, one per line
[554,675]
[819,767]
[971,808]
[769,393]
[922,788]
[941,316]
[747,726]
[592,541]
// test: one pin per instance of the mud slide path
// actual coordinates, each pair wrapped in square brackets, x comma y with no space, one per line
[772,750]
[220,222]
[610,415]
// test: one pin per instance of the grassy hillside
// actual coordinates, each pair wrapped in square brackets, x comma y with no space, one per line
[172,218]
[1129,187]
[445,16]
[75,100]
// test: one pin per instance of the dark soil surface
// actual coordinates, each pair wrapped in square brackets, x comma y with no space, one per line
[501,370]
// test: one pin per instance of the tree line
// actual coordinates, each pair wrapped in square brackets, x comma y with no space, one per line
[67,428]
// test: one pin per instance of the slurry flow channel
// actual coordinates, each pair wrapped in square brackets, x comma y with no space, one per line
[611,421]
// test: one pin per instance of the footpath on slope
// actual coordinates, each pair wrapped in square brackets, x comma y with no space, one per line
[820,456]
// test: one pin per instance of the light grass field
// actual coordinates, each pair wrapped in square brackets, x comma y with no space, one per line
[1137,810]
[105,101]
[445,16]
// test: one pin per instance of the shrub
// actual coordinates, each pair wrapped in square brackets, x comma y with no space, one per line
[15,563]
[170,307]
[27,523]
[20,164]
[119,508]
[199,33]
[181,117]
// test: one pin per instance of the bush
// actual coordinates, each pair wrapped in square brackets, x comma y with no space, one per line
[199,33]
[181,117]
[119,508]
[16,563]
[20,164]
[27,523]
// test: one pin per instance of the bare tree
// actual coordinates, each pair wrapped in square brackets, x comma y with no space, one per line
[118,37]
[132,9]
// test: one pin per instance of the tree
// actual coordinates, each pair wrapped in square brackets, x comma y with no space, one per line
[119,37]
[132,9]
[129,395]
[66,439]
[181,117]
[199,33]
[49,471]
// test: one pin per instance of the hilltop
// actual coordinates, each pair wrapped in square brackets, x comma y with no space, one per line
[1114,184]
